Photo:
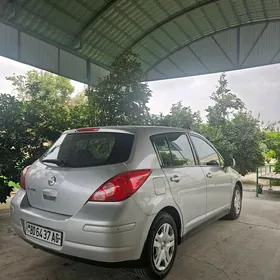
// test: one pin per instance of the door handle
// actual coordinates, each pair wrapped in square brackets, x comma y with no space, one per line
[175,179]
[209,175]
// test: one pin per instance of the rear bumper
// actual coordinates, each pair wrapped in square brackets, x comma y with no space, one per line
[84,236]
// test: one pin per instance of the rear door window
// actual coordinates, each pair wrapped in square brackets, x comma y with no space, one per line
[180,149]
[173,149]
[161,145]
[90,149]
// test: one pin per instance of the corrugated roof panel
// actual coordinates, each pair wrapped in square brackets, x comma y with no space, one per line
[134,15]
[186,25]
[276,58]
[272,8]
[97,73]
[72,66]
[214,17]
[94,53]
[144,63]
[152,10]
[169,6]
[106,44]
[188,62]
[227,12]
[23,18]
[38,53]
[228,41]
[176,32]
[9,41]
[75,8]
[240,9]
[267,46]
[187,3]
[43,29]
[126,24]
[139,24]
[51,15]
[166,40]
[95,5]
[211,55]
[152,45]
[153,75]
[248,36]
[256,10]
[199,21]
[145,54]
[99,22]
[169,69]
[101,36]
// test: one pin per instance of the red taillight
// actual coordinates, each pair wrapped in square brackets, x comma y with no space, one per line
[23,177]
[121,186]
[87,129]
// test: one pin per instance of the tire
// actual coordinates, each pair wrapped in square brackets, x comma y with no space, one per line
[234,209]
[162,223]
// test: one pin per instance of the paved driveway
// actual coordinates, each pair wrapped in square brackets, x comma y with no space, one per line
[245,249]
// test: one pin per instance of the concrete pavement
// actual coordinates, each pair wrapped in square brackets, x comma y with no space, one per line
[244,249]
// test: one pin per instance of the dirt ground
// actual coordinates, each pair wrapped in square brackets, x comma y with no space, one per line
[244,249]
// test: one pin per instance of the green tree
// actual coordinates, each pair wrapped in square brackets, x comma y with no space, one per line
[184,117]
[57,87]
[47,101]
[233,130]
[121,97]
[41,108]
[81,114]
[272,142]
[179,116]
[226,103]
[15,136]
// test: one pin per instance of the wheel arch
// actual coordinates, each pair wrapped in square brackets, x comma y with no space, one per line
[239,184]
[173,212]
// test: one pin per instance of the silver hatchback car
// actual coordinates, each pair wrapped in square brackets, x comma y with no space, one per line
[117,194]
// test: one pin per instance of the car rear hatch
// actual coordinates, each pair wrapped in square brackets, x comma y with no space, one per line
[75,167]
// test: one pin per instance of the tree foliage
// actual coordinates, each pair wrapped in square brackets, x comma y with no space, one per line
[43,105]
[272,142]
[233,130]
[179,116]
[41,108]
[121,97]
[14,136]
[226,103]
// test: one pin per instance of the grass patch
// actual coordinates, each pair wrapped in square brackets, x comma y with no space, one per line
[12,184]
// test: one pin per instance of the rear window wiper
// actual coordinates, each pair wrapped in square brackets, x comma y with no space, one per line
[58,162]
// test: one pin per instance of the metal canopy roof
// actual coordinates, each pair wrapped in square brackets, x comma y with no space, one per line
[174,38]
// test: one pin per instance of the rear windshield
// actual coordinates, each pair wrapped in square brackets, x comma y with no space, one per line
[89,149]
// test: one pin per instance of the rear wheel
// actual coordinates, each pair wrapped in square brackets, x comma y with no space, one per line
[236,204]
[161,248]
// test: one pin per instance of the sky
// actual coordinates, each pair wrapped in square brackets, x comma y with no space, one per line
[258,87]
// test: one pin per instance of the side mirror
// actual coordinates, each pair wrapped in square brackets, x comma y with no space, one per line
[229,162]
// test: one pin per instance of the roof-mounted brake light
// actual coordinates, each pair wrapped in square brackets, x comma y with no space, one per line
[87,129]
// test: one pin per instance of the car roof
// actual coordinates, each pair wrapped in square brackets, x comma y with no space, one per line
[133,129]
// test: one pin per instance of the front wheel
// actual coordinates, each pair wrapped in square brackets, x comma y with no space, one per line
[161,248]
[236,204]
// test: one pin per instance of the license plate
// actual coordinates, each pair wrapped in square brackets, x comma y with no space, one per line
[45,234]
